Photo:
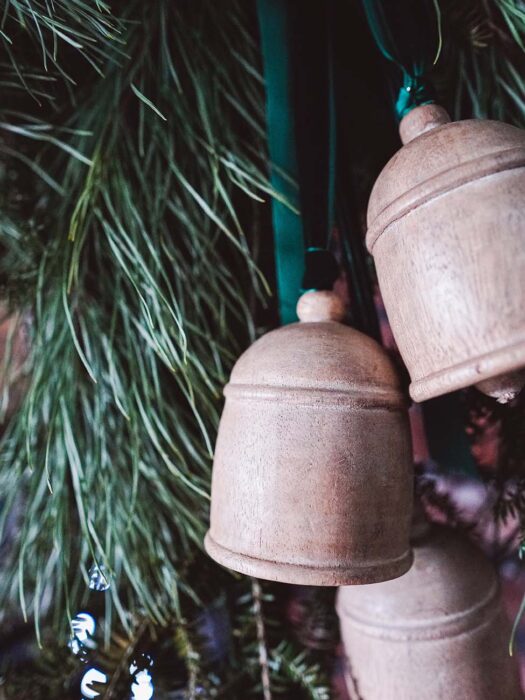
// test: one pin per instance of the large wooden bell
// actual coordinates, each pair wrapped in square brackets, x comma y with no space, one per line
[437,633]
[446,227]
[312,476]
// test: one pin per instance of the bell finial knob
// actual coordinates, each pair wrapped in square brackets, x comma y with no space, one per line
[316,306]
[422,119]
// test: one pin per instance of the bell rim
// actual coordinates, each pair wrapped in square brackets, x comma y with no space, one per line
[436,186]
[469,373]
[304,575]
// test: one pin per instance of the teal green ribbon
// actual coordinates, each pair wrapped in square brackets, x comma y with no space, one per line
[287,224]
[408,34]
[416,91]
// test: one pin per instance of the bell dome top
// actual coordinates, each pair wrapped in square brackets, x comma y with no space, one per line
[318,354]
[450,584]
[438,156]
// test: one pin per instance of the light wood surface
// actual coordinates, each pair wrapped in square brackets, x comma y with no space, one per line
[446,227]
[312,476]
[437,633]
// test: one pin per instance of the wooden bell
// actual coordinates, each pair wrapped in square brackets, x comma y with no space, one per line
[446,227]
[437,633]
[312,476]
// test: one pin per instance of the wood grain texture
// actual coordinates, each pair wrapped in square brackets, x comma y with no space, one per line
[446,227]
[438,632]
[312,475]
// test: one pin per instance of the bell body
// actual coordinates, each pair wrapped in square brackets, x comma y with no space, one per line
[312,475]
[446,227]
[437,633]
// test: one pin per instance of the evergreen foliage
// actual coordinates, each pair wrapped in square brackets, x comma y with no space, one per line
[480,71]
[138,275]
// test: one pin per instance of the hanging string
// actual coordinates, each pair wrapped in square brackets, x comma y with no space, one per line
[320,268]
[314,119]
[408,33]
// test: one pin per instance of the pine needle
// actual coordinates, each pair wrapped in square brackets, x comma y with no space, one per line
[137,267]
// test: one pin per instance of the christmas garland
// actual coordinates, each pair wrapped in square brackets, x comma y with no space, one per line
[140,284]
[133,152]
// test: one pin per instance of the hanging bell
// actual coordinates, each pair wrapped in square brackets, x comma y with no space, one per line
[312,475]
[446,227]
[437,633]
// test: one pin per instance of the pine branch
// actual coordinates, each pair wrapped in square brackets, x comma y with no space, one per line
[192,657]
[480,71]
[261,639]
[287,669]
[38,38]
[116,660]
[137,281]
[289,662]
